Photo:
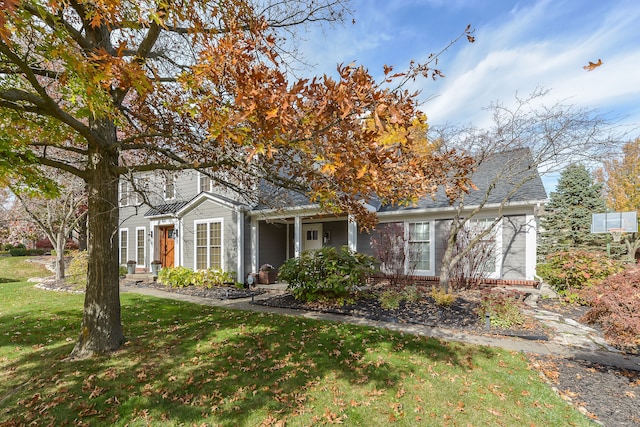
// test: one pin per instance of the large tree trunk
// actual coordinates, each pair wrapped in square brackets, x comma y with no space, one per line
[101,324]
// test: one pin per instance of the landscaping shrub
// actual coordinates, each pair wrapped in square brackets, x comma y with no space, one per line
[390,299]
[76,272]
[615,305]
[441,297]
[18,251]
[325,273]
[213,277]
[44,244]
[176,277]
[179,277]
[503,310]
[568,272]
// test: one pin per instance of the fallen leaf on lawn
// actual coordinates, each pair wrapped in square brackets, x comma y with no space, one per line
[494,412]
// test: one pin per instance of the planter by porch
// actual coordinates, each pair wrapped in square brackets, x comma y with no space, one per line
[131,267]
[267,277]
[155,267]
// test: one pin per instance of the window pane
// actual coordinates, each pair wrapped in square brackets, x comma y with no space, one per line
[140,247]
[420,256]
[124,193]
[215,244]
[419,231]
[169,187]
[123,246]
[201,246]
[205,183]
[420,246]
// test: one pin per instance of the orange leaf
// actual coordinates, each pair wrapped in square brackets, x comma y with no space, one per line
[593,65]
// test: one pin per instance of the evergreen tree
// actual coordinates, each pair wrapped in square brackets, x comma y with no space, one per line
[566,223]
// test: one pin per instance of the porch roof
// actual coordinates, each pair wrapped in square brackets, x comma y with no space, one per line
[166,209]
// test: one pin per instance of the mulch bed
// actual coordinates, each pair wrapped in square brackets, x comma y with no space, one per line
[215,292]
[461,315]
[608,395]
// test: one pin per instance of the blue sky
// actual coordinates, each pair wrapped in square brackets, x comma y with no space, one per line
[520,46]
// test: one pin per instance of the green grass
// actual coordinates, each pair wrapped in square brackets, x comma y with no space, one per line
[186,364]
[15,269]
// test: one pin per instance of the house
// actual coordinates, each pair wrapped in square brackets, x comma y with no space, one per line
[185,220]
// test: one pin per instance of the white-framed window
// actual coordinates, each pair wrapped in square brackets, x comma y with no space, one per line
[141,245]
[170,186]
[204,182]
[124,245]
[491,244]
[128,196]
[125,193]
[208,244]
[420,247]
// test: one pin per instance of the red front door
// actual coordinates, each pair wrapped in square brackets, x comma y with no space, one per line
[166,246]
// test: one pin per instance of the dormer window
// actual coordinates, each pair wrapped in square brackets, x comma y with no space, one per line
[204,183]
[169,187]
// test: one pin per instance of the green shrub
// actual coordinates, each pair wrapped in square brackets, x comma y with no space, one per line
[213,277]
[503,310]
[176,277]
[76,272]
[17,251]
[568,272]
[325,273]
[442,297]
[390,299]
[614,305]
[411,294]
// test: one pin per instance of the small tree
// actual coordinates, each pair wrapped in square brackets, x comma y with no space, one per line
[57,216]
[390,248]
[540,139]
[476,263]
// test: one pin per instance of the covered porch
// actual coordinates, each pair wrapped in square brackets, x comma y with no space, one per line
[275,239]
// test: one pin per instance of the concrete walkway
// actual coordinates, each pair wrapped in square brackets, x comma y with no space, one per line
[572,340]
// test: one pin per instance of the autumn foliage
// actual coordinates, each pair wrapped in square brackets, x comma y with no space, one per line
[615,305]
[110,89]
[569,272]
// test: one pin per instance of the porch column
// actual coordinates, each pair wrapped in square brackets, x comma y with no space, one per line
[254,244]
[352,230]
[240,247]
[297,236]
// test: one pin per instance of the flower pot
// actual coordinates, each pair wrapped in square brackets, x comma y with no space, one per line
[131,268]
[267,277]
[155,267]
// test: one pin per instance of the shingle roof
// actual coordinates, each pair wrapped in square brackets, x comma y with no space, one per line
[507,170]
[512,170]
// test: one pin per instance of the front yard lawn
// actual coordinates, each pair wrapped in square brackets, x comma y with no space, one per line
[186,364]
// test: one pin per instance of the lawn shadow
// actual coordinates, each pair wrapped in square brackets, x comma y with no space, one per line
[183,362]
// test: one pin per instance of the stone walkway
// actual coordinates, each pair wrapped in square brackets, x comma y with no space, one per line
[572,340]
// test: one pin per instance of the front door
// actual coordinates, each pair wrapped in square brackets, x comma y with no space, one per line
[311,236]
[166,246]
